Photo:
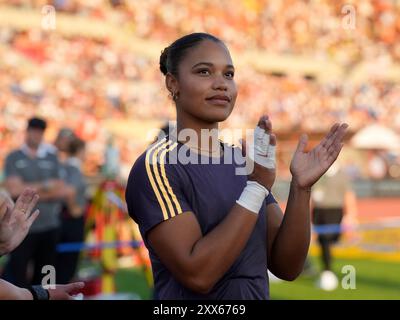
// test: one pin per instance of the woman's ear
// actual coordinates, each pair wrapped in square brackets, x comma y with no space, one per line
[171,83]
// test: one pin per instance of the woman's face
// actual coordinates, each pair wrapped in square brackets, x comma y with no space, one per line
[206,86]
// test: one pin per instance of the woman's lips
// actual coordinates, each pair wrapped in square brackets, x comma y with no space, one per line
[218,101]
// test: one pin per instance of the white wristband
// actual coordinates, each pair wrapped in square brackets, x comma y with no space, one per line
[253,196]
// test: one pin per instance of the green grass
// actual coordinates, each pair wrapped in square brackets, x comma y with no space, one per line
[133,281]
[374,280]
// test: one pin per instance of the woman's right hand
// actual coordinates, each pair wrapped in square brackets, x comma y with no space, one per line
[262,175]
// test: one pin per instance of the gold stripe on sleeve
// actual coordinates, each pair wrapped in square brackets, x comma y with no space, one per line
[151,178]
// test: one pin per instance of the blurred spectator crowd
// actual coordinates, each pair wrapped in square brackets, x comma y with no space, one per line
[292,26]
[82,82]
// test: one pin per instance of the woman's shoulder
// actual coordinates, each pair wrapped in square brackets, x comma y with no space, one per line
[155,154]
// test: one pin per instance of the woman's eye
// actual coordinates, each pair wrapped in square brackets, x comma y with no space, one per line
[204,71]
[230,74]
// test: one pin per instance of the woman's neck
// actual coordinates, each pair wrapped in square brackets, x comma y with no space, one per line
[198,134]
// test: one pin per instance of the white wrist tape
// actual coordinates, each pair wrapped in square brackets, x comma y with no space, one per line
[260,151]
[253,196]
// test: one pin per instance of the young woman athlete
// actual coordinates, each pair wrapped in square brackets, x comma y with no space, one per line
[211,232]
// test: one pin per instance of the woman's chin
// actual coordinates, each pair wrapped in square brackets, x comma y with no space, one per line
[217,118]
[217,115]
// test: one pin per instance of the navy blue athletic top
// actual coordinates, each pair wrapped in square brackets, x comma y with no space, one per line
[160,188]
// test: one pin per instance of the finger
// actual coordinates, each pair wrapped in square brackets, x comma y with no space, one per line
[272,140]
[338,138]
[270,161]
[75,286]
[24,199]
[8,212]
[261,141]
[4,197]
[32,218]
[3,210]
[10,203]
[335,153]
[265,124]
[243,144]
[261,121]
[268,126]
[334,145]
[301,146]
[341,132]
[331,141]
[333,157]
[330,134]
[32,204]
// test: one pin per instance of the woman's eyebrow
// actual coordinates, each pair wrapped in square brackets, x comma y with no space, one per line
[211,65]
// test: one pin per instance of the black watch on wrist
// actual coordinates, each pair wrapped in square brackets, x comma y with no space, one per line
[39,293]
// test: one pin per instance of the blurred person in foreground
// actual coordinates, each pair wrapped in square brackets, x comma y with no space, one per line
[15,221]
[211,232]
[34,166]
[332,199]
[72,216]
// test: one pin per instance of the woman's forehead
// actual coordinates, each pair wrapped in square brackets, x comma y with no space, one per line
[210,52]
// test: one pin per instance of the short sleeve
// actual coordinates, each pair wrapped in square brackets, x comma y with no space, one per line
[10,168]
[155,190]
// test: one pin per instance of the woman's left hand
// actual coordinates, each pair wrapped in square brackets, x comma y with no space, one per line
[308,167]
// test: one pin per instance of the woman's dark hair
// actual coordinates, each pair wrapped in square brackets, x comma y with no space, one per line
[172,55]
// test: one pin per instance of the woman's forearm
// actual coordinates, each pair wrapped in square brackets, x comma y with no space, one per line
[291,244]
[215,253]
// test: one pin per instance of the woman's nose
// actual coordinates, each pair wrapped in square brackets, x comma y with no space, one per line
[220,83]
